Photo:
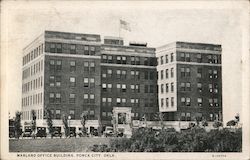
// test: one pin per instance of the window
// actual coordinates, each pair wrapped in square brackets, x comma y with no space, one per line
[167,103]
[161,74]
[124,60]
[199,58]
[183,101]
[172,72]
[210,100]
[183,116]
[151,75]
[58,48]
[109,101]
[72,114]
[86,50]
[72,98]
[162,88]
[92,82]
[188,101]
[215,88]
[92,98]
[215,74]
[166,73]
[124,74]
[72,66]
[118,60]
[137,88]
[51,81]
[86,82]
[211,116]
[58,114]
[137,60]
[92,67]
[210,86]
[58,81]
[123,87]
[72,81]
[167,88]
[72,49]
[209,57]
[85,98]
[137,74]
[86,66]
[215,59]
[151,89]
[188,87]
[146,60]
[210,72]
[51,98]
[199,101]
[166,58]
[216,102]
[146,89]
[172,87]
[58,98]
[118,73]
[118,101]
[92,50]
[182,56]
[51,65]
[132,87]
[58,65]
[109,73]
[182,72]
[146,75]
[161,59]
[109,87]
[172,101]
[187,57]
[132,60]
[188,116]
[52,48]
[199,72]
[199,87]
[172,57]
[110,59]
[162,102]
[104,58]
[183,88]
[188,72]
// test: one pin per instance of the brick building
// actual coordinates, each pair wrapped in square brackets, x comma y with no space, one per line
[190,82]
[71,73]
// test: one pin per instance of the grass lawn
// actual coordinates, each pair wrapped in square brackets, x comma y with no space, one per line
[55,144]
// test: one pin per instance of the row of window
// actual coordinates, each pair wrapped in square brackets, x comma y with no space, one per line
[186,101]
[188,57]
[34,99]
[71,48]
[186,116]
[26,115]
[109,114]
[134,88]
[133,60]
[122,74]
[56,98]
[57,65]
[33,54]
[57,114]
[167,87]
[33,69]
[167,73]
[161,61]
[186,72]
[32,85]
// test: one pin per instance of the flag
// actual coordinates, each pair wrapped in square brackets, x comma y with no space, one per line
[125,25]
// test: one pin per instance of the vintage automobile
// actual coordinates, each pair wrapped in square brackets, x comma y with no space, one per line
[41,132]
[57,134]
[108,131]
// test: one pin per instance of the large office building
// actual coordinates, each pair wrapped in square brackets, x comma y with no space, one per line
[190,82]
[70,74]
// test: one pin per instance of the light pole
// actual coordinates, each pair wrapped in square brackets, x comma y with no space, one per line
[69,117]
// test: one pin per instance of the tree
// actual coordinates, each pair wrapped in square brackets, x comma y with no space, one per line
[66,125]
[33,122]
[204,123]
[84,117]
[49,121]
[17,124]
[159,117]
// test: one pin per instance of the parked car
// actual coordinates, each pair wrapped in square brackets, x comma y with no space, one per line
[108,131]
[27,133]
[57,134]
[94,132]
[41,133]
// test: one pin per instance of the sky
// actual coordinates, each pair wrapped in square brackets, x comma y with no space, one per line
[156,23]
